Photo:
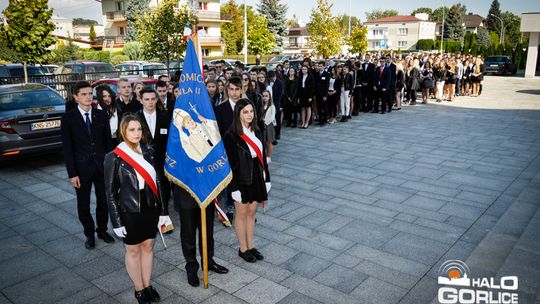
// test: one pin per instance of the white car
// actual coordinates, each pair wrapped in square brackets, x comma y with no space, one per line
[141,69]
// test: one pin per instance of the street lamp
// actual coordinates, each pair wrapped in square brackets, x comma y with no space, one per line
[501,39]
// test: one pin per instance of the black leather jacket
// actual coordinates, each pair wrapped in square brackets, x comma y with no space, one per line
[240,160]
[122,187]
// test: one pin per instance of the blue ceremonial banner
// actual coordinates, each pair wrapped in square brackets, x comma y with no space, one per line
[196,158]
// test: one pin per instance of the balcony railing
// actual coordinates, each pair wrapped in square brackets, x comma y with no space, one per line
[209,39]
[209,15]
[116,16]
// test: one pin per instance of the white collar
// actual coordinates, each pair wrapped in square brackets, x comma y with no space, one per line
[83,112]
[232,104]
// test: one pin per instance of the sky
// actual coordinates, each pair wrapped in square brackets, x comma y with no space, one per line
[91,9]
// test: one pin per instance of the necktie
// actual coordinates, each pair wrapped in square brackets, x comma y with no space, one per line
[380,73]
[88,124]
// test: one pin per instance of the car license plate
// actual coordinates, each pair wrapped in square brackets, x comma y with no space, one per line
[494,66]
[49,124]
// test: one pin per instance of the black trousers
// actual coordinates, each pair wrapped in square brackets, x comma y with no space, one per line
[333,101]
[390,98]
[83,203]
[380,97]
[322,109]
[190,222]
[278,122]
[367,98]
[357,100]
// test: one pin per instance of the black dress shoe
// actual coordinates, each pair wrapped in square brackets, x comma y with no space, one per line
[382,112]
[247,256]
[151,294]
[107,238]
[274,142]
[215,267]
[193,279]
[90,242]
[256,253]
[374,111]
[293,126]
[141,297]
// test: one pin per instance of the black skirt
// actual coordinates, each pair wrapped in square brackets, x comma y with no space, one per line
[256,192]
[141,226]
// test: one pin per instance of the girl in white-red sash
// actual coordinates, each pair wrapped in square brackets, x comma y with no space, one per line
[251,179]
[135,206]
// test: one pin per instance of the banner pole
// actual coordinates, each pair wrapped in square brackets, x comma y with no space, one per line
[204,247]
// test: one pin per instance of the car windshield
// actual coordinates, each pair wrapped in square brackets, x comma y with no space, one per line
[276,59]
[29,99]
[19,72]
[99,68]
[496,59]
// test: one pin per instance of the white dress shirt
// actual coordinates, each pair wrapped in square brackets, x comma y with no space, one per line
[151,121]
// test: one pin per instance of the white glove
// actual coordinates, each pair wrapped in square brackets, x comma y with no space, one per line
[268,186]
[236,196]
[120,232]
[164,220]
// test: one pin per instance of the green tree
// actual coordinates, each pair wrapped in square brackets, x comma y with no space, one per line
[293,22]
[482,37]
[422,10]
[493,23]
[425,44]
[326,37]
[82,21]
[512,22]
[439,13]
[135,9]
[275,13]
[358,39]
[26,29]
[92,33]
[260,38]
[376,14]
[343,22]
[160,30]
[232,33]
[66,52]
[134,50]
[494,39]
[453,27]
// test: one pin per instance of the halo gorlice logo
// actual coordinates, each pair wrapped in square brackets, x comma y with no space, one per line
[465,290]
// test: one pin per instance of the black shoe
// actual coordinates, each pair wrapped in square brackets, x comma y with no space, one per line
[355,114]
[274,142]
[293,126]
[107,238]
[374,111]
[256,254]
[215,267]
[343,119]
[151,294]
[382,112]
[193,279]
[348,116]
[90,242]
[141,297]
[247,256]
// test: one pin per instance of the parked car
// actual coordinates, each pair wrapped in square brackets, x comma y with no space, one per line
[141,69]
[29,119]
[227,63]
[48,69]
[498,64]
[17,70]
[89,70]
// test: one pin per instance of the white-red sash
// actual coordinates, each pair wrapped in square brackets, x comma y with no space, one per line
[142,171]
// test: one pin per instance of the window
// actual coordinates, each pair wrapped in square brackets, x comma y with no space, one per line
[203,6]
[402,44]
[293,41]
[403,31]
[122,30]
[378,32]
[376,44]
[120,5]
[205,52]
[205,28]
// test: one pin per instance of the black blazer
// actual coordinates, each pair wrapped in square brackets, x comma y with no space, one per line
[278,91]
[304,93]
[171,100]
[161,135]
[240,160]
[83,152]
[381,81]
[367,79]
[132,107]
[224,117]
[322,83]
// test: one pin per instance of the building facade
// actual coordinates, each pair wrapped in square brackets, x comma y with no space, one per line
[530,23]
[399,32]
[297,41]
[208,12]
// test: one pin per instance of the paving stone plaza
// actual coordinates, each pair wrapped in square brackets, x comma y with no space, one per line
[360,212]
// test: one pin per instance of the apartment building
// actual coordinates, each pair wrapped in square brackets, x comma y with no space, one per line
[297,41]
[399,32]
[208,12]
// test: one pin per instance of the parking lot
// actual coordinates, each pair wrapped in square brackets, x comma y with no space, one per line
[359,212]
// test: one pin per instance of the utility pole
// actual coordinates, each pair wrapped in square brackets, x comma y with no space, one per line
[442,31]
[245,35]
[501,38]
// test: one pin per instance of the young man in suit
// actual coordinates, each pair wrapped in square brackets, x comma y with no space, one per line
[278,90]
[86,138]
[155,125]
[367,84]
[391,94]
[381,80]
[322,80]
[224,117]
[166,100]
[128,103]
